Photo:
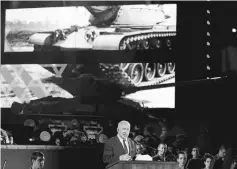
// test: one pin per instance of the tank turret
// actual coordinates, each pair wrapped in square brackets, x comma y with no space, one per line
[127,15]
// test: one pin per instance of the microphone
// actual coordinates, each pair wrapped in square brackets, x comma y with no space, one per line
[146,146]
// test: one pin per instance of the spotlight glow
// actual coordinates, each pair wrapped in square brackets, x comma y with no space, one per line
[233,30]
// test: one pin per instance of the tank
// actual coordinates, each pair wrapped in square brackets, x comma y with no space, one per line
[124,27]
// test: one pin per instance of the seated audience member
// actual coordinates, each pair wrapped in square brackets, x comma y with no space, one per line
[207,161]
[219,158]
[37,160]
[120,147]
[234,163]
[140,149]
[195,162]
[160,156]
[182,159]
[170,154]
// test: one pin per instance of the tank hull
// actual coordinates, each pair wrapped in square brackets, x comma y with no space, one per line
[104,41]
[114,41]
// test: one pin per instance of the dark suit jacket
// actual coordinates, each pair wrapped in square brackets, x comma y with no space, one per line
[195,164]
[217,163]
[113,148]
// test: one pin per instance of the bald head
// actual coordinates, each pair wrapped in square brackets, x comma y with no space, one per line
[121,123]
[123,129]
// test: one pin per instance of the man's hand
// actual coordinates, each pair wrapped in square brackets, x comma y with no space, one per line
[125,157]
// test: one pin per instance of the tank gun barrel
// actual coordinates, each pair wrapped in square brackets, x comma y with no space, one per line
[133,89]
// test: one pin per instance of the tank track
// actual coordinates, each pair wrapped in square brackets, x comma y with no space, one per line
[116,74]
[147,40]
[157,80]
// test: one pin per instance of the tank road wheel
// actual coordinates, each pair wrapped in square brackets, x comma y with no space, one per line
[168,43]
[135,72]
[145,45]
[158,43]
[124,66]
[149,71]
[161,69]
[170,67]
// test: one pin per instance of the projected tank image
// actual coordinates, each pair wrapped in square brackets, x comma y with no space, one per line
[112,28]
[93,83]
[124,27]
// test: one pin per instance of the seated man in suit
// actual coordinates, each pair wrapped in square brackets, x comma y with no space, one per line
[182,159]
[160,156]
[234,163]
[120,147]
[218,160]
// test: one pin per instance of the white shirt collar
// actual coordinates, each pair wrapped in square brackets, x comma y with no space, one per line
[122,139]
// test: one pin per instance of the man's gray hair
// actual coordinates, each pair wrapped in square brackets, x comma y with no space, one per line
[123,122]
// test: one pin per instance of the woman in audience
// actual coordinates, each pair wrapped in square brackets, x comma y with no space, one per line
[195,162]
[207,161]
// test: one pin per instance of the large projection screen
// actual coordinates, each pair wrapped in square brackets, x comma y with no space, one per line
[84,28]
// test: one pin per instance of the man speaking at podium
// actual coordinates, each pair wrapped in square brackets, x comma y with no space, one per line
[120,147]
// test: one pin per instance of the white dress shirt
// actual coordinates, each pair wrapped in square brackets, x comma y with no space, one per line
[126,142]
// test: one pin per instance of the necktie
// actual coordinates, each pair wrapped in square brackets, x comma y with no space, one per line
[125,147]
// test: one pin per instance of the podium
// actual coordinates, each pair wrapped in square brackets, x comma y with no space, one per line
[142,165]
